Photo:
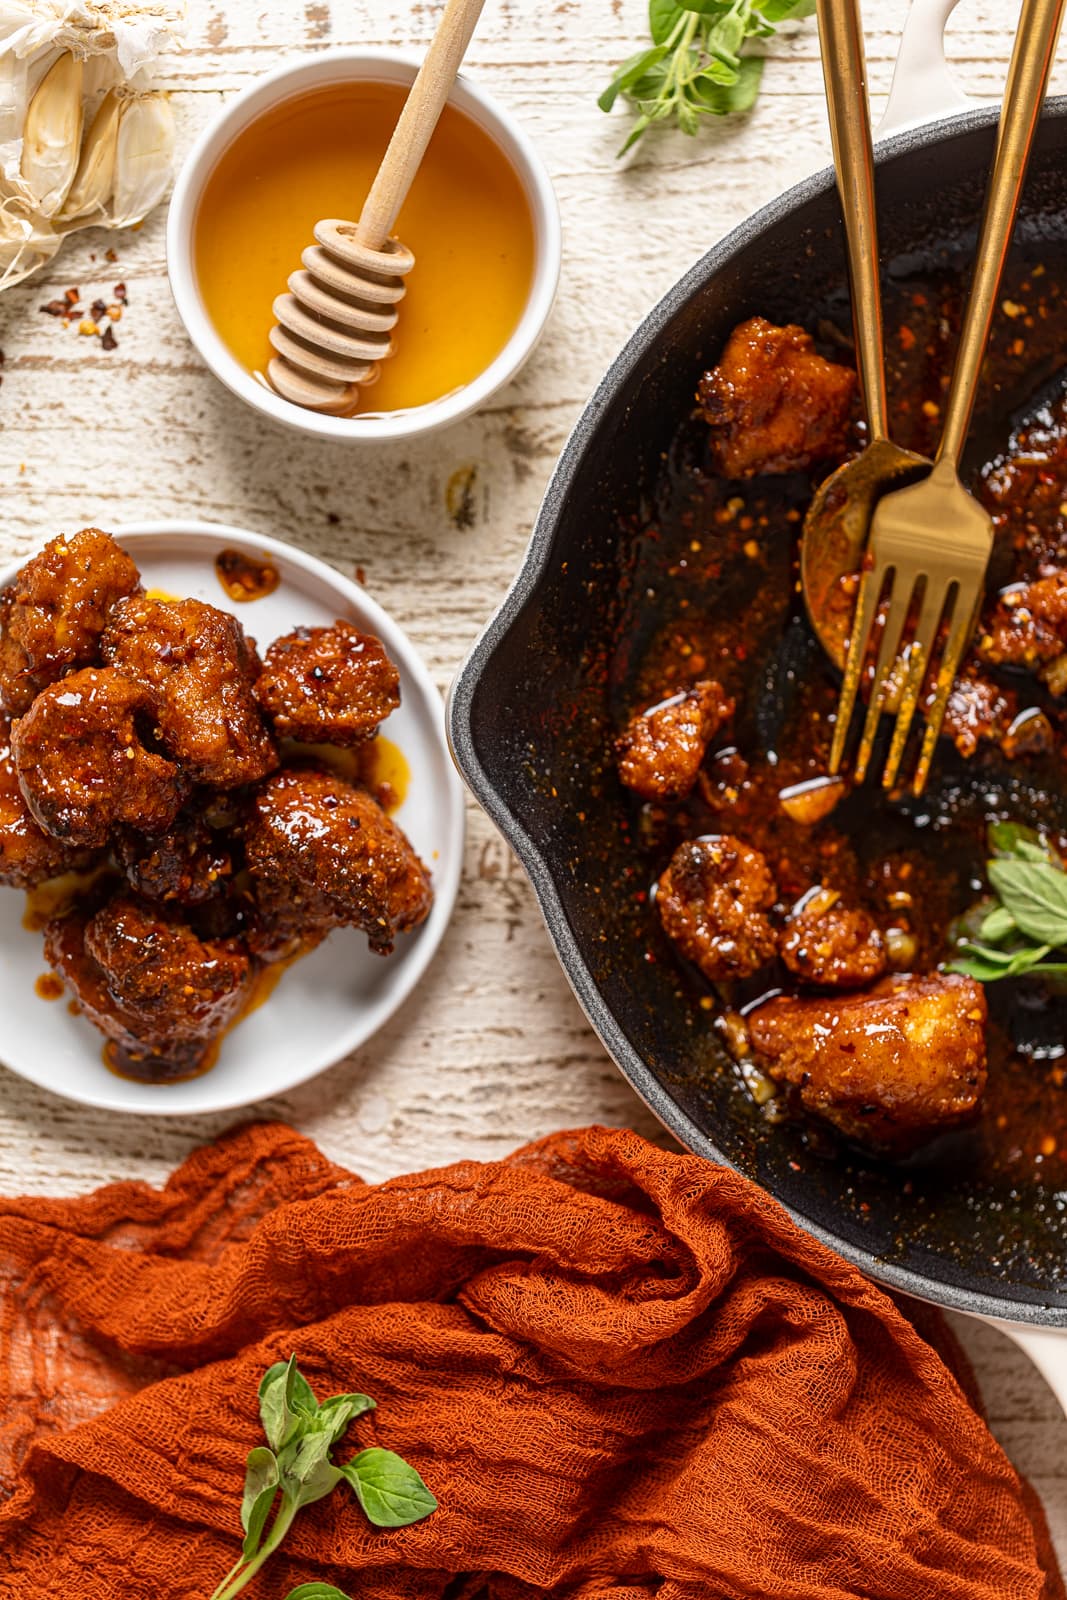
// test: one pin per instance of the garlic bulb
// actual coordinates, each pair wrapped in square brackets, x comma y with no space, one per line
[68,65]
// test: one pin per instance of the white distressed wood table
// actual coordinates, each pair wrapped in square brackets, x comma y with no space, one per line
[493,1049]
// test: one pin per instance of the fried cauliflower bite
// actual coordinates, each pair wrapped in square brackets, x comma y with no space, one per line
[713,902]
[28,855]
[1029,628]
[328,685]
[323,854]
[773,404]
[660,750]
[82,765]
[890,1067]
[185,866]
[53,614]
[832,945]
[197,670]
[160,994]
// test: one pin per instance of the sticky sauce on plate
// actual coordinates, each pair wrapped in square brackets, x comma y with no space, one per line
[379,765]
[466,219]
[56,896]
[246,577]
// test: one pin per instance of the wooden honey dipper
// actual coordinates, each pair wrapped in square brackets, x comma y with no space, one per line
[335,323]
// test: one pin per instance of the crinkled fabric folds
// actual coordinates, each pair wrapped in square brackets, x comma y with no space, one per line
[623,1371]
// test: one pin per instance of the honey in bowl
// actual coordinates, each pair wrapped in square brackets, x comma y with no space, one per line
[467,221]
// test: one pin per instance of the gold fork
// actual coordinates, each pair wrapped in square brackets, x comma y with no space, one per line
[930,544]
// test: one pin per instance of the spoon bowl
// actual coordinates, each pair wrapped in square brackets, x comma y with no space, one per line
[835,534]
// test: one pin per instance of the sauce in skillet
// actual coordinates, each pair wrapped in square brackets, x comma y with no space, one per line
[713,593]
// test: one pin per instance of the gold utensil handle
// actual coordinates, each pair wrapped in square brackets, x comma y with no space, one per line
[845,74]
[1024,93]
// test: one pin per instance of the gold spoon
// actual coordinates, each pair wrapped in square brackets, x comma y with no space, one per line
[839,517]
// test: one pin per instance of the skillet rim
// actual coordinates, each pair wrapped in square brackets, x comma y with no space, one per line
[527,581]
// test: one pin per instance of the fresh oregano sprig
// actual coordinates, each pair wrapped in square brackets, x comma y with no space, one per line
[1024,922]
[695,67]
[294,1469]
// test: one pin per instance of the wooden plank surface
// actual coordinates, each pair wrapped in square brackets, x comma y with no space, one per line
[493,1050]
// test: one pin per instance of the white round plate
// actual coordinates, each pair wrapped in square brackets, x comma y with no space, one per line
[333,1000]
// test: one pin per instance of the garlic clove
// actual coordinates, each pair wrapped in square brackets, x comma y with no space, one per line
[143,157]
[95,179]
[51,138]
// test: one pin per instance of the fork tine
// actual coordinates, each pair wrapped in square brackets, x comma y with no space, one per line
[964,616]
[899,605]
[920,653]
[859,639]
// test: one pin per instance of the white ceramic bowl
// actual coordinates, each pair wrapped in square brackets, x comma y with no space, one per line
[339,66]
[330,1002]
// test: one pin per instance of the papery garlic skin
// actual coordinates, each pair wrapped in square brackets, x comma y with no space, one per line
[52,134]
[25,245]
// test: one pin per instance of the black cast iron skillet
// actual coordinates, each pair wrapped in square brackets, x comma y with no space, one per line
[529,725]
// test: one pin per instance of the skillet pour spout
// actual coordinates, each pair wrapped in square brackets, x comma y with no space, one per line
[535,708]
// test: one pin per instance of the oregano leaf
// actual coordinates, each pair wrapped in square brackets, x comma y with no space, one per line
[340,1409]
[663,17]
[280,1421]
[775,11]
[317,1591]
[997,924]
[260,1491]
[1035,893]
[388,1488]
[629,73]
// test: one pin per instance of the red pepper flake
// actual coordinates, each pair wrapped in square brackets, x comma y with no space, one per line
[361,577]
[109,342]
[119,292]
[98,310]
[55,308]
[73,296]
[110,256]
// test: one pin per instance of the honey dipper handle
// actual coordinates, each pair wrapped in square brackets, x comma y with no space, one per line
[416,122]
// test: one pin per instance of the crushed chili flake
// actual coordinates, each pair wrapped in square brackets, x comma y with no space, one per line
[96,322]
[110,256]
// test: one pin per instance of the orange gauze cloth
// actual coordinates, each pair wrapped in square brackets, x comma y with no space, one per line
[624,1372]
